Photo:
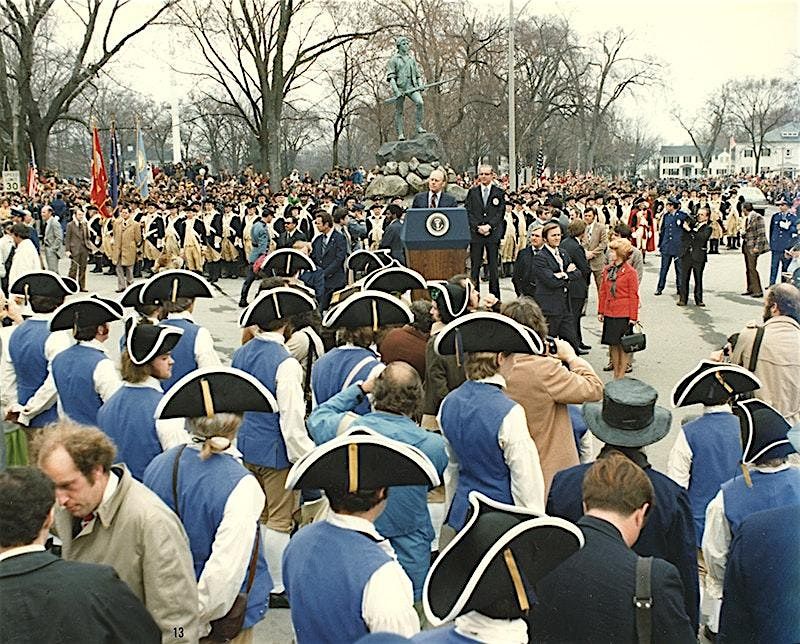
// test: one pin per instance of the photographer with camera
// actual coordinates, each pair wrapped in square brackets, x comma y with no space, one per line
[695,235]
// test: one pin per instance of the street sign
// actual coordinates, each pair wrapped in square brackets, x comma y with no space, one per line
[11,180]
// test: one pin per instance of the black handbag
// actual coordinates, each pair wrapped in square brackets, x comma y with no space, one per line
[634,341]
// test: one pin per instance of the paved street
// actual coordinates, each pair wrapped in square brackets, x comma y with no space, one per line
[677,339]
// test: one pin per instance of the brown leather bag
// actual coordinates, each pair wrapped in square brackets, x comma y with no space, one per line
[230,624]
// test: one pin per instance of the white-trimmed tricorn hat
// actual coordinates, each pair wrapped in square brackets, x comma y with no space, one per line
[168,286]
[713,383]
[276,304]
[286,262]
[394,279]
[487,331]
[145,341]
[84,312]
[368,308]
[44,283]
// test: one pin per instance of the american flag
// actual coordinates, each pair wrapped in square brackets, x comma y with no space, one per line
[540,163]
[33,176]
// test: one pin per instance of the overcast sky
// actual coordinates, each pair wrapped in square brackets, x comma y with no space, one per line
[702,43]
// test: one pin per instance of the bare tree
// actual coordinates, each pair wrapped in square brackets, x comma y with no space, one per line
[98,44]
[705,127]
[758,105]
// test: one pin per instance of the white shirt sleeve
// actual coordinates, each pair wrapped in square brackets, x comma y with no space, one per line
[8,380]
[450,479]
[679,465]
[106,379]
[46,395]
[172,432]
[387,604]
[586,448]
[716,543]
[522,458]
[292,409]
[226,567]
[204,353]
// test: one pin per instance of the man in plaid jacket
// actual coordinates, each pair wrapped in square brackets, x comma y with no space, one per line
[754,243]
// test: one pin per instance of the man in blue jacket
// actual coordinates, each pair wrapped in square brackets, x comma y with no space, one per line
[397,393]
[261,234]
[670,243]
[328,252]
[782,235]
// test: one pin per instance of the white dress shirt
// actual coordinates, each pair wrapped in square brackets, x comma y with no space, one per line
[204,353]
[21,550]
[387,603]
[519,453]
[170,431]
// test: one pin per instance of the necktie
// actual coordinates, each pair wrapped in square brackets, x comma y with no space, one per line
[433,200]
[485,194]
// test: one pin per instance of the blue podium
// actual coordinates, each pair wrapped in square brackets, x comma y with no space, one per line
[436,241]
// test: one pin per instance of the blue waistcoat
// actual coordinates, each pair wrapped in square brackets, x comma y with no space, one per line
[73,373]
[781,239]
[203,491]
[260,440]
[471,417]
[325,569]
[128,419]
[332,369]
[772,490]
[715,441]
[183,353]
[26,348]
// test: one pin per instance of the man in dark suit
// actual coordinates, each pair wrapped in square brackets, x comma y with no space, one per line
[695,237]
[291,234]
[589,597]
[552,271]
[578,288]
[669,532]
[485,204]
[76,243]
[523,280]
[391,236]
[328,252]
[435,197]
[48,599]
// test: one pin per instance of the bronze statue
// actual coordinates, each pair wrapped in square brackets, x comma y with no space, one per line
[405,78]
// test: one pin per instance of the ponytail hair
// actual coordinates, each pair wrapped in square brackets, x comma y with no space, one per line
[216,433]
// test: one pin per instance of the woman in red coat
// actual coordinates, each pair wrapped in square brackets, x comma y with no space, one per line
[618,302]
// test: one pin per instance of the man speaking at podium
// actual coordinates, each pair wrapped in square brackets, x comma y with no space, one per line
[485,206]
[435,197]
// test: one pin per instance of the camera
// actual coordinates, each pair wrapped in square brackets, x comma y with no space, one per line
[550,345]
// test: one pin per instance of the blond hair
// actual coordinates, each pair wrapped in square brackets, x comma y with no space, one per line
[218,432]
[622,247]
[480,365]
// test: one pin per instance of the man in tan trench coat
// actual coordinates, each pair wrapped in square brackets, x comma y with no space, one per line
[126,244]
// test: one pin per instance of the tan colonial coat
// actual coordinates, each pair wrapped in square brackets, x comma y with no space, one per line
[127,241]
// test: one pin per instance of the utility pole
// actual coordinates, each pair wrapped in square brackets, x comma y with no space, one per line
[512,117]
[175,109]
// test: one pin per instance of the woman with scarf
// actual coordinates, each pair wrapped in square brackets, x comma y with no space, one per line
[618,302]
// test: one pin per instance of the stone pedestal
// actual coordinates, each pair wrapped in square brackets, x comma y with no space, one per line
[424,148]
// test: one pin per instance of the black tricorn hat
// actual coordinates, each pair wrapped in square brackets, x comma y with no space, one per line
[713,383]
[368,308]
[168,286]
[286,262]
[486,331]
[361,459]
[764,431]
[86,311]
[276,304]
[394,279]
[215,390]
[452,300]
[367,261]
[628,415]
[501,553]
[45,284]
[147,341]
[130,298]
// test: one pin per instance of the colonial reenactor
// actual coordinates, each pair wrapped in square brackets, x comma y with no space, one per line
[128,417]
[107,242]
[153,233]
[25,368]
[250,217]
[231,241]
[217,499]
[175,292]
[84,375]
[172,245]
[212,251]
[376,224]
[271,442]
[345,551]
[192,236]
[95,238]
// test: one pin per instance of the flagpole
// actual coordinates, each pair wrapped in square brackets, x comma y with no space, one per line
[512,118]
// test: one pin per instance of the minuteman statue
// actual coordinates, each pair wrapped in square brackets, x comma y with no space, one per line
[405,79]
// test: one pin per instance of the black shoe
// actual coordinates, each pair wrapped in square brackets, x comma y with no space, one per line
[745,294]
[585,347]
[681,302]
[658,293]
[629,368]
[758,296]
[581,352]
[278,600]
[608,367]
[700,304]
[242,304]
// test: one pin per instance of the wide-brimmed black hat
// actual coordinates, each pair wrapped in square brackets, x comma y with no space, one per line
[215,390]
[168,286]
[367,261]
[764,431]
[130,296]
[147,341]
[87,311]
[452,300]
[44,284]
[361,459]
[394,279]
[286,262]
[276,304]
[713,383]
[486,331]
[628,415]
[501,553]
[368,308]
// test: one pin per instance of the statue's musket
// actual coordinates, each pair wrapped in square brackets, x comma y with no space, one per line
[419,89]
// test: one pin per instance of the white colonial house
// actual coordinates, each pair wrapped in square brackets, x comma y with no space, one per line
[683,162]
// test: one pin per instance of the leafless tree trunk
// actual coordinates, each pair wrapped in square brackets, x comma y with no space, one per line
[705,128]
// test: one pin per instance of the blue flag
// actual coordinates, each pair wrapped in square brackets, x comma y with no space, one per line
[142,171]
[113,166]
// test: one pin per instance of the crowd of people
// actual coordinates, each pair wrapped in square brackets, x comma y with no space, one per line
[380,464]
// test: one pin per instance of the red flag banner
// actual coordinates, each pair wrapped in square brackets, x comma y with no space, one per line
[33,177]
[99,192]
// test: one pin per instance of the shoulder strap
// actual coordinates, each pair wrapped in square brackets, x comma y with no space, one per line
[643,600]
[756,348]
[354,371]
[251,574]
[175,479]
